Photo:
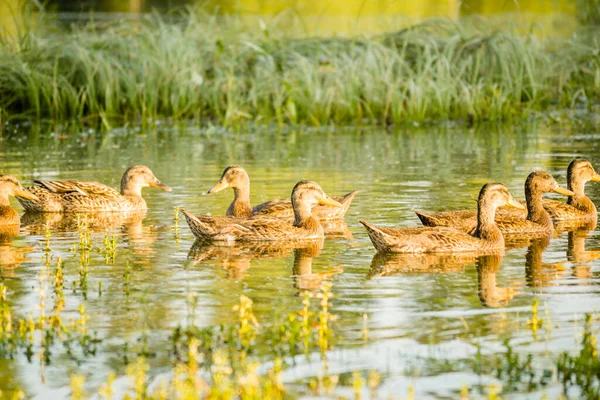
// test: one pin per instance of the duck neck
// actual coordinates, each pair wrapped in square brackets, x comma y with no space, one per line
[240,207]
[304,219]
[4,201]
[577,186]
[8,215]
[486,226]
[130,189]
[535,209]
[579,200]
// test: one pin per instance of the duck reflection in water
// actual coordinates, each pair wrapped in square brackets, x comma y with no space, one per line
[538,273]
[235,259]
[11,256]
[336,229]
[388,264]
[577,255]
[305,280]
[7,232]
[129,224]
[37,223]
[490,294]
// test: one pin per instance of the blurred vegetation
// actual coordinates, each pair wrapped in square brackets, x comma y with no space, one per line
[588,11]
[202,66]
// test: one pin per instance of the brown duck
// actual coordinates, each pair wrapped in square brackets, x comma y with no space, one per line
[236,178]
[579,209]
[10,186]
[486,237]
[76,196]
[305,195]
[537,222]
[578,206]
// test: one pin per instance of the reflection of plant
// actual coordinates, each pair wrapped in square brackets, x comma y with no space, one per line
[47,237]
[513,369]
[583,369]
[247,323]
[229,354]
[325,332]
[41,335]
[535,322]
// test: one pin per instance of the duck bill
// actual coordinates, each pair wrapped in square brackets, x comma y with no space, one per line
[25,194]
[218,187]
[328,201]
[563,191]
[513,203]
[596,178]
[159,185]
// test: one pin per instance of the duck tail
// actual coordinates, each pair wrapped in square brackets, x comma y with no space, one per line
[426,219]
[31,205]
[198,227]
[379,238]
[345,201]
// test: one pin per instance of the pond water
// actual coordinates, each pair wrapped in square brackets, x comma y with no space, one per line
[425,317]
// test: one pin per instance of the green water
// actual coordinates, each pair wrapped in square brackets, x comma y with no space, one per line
[423,322]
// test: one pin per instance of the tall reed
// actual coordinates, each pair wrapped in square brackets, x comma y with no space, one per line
[201,66]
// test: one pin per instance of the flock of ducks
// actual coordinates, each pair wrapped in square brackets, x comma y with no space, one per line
[498,214]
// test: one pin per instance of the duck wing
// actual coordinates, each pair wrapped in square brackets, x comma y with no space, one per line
[463,220]
[563,211]
[258,228]
[275,208]
[422,240]
[283,208]
[84,188]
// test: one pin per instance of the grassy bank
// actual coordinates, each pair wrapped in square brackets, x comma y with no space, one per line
[210,68]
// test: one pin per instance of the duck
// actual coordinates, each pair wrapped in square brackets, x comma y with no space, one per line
[441,239]
[305,195]
[10,186]
[579,210]
[578,206]
[236,178]
[536,221]
[77,196]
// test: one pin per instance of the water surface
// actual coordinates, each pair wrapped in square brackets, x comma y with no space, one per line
[425,316]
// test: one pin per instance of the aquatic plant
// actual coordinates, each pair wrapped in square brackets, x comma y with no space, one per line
[227,353]
[535,323]
[110,248]
[43,333]
[47,237]
[176,226]
[204,66]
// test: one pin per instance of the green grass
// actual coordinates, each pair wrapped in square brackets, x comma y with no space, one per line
[588,11]
[215,68]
